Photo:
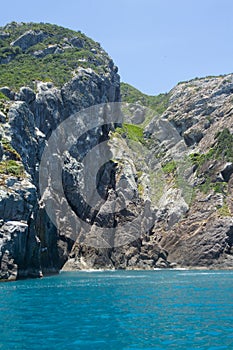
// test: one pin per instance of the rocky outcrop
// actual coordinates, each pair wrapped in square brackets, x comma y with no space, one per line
[28,39]
[163,183]
[30,244]
[201,110]
[19,246]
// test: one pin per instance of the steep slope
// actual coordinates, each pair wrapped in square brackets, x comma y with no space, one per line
[45,52]
[181,163]
[157,103]
[81,75]
[201,112]
[162,169]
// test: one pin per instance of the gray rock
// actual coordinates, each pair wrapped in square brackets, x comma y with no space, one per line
[2,117]
[4,35]
[1,152]
[29,38]
[14,258]
[23,133]
[47,51]
[20,202]
[165,231]
[192,136]
[27,94]
[227,171]
[7,92]
[77,42]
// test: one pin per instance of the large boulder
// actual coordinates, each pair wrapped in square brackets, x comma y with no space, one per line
[29,38]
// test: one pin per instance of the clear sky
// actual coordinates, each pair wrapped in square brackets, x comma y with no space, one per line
[155,43]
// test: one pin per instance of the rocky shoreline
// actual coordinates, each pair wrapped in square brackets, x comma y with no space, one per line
[170,178]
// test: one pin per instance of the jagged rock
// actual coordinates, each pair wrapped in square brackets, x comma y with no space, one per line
[4,35]
[227,171]
[26,94]
[2,117]
[23,134]
[20,202]
[77,42]
[7,92]
[1,151]
[15,260]
[30,120]
[28,39]
[47,51]
[143,191]
[192,136]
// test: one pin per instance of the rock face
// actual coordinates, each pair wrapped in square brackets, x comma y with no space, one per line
[164,195]
[30,245]
[201,111]
[28,39]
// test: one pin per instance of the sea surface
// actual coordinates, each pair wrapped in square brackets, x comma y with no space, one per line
[119,310]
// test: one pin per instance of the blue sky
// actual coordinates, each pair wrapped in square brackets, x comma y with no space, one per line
[155,43]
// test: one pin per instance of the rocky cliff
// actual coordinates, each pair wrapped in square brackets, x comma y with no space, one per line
[164,191]
[30,243]
[179,149]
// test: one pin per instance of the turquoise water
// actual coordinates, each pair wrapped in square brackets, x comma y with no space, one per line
[119,310]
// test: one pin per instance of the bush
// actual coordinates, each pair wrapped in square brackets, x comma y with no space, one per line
[224,145]
[132,132]
[12,167]
[169,167]
[158,103]
[224,210]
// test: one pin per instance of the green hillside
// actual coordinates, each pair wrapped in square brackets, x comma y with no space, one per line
[158,103]
[47,53]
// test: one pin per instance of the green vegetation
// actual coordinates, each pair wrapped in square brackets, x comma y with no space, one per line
[131,132]
[12,167]
[140,189]
[3,97]
[158,103]
[9,149]
[222,149]
[224,145]
[169,167]
[224,210]
[199,159]
[58,68]
[24,68]
[9,51]
[220,187]
[15,30]
[208,185]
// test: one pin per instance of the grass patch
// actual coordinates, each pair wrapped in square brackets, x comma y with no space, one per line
[140,189]
[217,187]
[57,68]
[224,211]
[169,167]
[3,97]
[132,132]
[199,159]
[9,149]
[11,167]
